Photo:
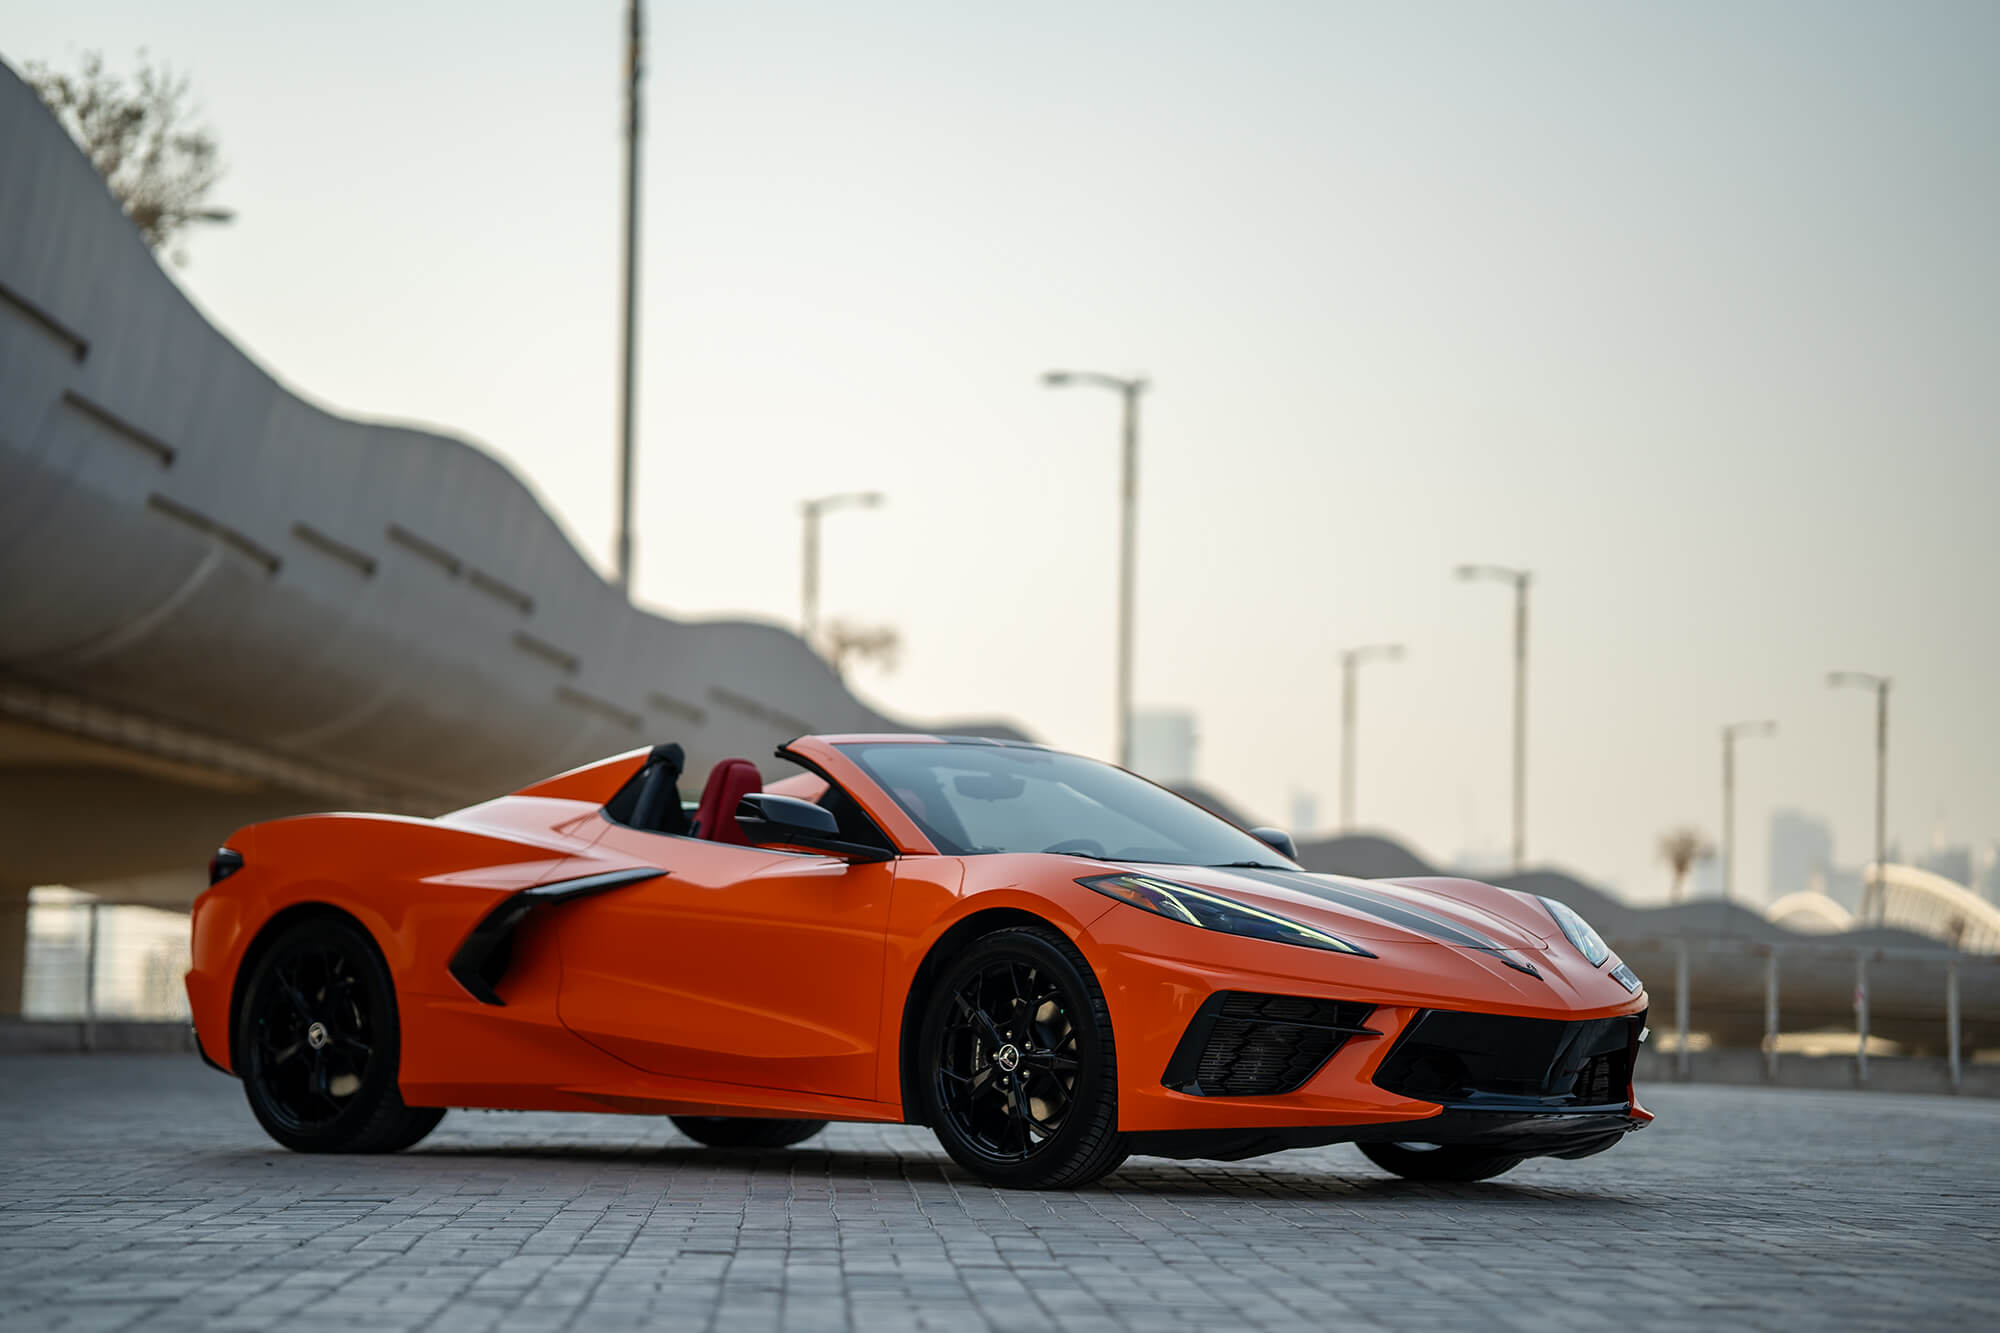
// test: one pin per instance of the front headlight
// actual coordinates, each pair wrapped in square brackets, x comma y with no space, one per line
[1199,907]
[1578,932]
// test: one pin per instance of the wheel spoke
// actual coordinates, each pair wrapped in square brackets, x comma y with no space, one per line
[285,1055]
[981,1018]
[288,986]
[1025,1005]
[318,1082]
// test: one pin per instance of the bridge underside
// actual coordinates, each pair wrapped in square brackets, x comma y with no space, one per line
[124,824]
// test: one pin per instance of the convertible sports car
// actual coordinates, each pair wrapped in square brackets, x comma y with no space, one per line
[1049,961]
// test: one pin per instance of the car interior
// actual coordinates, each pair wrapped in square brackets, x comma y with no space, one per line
[652,802]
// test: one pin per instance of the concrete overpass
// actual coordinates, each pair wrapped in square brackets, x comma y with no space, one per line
[220,603]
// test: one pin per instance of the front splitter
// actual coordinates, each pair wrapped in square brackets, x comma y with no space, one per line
[1538,1133]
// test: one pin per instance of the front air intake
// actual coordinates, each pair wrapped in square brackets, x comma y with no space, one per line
[1242,1044]
[1499,1060]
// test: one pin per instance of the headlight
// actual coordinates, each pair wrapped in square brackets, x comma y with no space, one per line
[1199,907]
[1578,932]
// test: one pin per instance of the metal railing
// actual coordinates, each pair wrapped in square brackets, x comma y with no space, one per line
[1931,1000]
[90,960]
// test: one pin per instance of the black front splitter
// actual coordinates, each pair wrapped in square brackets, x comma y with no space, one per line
[1577,1132]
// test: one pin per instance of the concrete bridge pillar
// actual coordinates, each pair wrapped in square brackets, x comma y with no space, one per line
[13,948]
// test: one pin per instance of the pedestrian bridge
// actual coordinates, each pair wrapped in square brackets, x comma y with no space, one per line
[1913,899]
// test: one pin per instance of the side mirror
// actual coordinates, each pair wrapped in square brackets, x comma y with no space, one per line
[766,817]
[1276,839]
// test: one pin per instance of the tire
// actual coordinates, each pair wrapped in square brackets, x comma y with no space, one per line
[717,1131]
[1442,1162]
[318,1044]
[1048,1120]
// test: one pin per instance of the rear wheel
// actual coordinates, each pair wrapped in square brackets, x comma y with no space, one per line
[1018,1070]
[1439,1162]
[718,1131]
[318,1044]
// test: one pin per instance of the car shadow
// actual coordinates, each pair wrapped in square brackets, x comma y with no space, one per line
[1142,1178]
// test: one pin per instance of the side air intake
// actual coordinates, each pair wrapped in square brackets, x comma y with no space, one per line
[1243,1044]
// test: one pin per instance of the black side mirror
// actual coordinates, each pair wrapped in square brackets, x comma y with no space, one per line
[767,817]
[1276,839]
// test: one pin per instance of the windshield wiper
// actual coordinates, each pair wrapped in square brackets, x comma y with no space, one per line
[1248,865]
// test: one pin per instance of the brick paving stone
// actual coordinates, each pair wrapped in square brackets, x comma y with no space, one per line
[137,1193]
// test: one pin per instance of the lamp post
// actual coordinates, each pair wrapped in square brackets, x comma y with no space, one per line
[812,509]
[1128,390]
[1879,684]
[1350,663]
[634,70]
[1729,735]
[1520,578]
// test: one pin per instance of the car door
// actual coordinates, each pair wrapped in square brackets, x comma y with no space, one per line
[740,965]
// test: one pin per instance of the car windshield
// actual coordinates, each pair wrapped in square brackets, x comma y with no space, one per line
[972,799]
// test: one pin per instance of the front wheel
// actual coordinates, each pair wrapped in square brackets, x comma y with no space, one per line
[1438,1162]
[1017,1069]
[318,1044]
[720,1131]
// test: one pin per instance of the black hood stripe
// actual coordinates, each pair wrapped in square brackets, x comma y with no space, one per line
[1387,909]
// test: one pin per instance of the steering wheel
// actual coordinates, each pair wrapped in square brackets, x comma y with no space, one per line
[1086,846]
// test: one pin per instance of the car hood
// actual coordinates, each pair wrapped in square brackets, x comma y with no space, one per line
[1460,913]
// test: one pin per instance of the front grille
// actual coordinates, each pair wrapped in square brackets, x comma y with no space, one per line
[1486,1059]
[1242,1044]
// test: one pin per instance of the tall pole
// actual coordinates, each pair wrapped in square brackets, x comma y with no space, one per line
[1129,390]
[1728,811]
[1350,663]
[1729,735]
[1520,578]
[809,595]
[1127,544]
[1873,900]
[634,68]
[1520,723]
[1881,800]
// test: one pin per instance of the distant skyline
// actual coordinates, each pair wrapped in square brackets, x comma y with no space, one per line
[1693,310]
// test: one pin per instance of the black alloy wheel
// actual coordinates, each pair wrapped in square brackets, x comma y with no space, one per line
[1019,1071]
[317,1044]
[1446,1162]
[730,1131]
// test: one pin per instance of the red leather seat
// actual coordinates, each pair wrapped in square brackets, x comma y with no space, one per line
[730,782]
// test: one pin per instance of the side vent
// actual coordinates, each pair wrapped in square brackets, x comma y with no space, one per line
[1244,1044]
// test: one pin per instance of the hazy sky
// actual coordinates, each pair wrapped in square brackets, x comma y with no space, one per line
[1694,309]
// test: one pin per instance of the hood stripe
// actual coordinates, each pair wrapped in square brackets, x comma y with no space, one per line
[1390,910]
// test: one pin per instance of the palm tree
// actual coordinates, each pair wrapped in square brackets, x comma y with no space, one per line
[1682,848]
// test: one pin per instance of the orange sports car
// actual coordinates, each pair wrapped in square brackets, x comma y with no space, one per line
[1049,961]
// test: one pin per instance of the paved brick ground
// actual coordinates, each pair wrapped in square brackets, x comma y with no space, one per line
[136,1192]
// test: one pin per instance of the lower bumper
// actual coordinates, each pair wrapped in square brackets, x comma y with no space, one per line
[1571,1133]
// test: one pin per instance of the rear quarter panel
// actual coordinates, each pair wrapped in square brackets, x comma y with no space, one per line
[415,885]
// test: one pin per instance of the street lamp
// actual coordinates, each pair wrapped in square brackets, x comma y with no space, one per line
[634,70]
[1350,660]
[1879,684]
[1520,578]
[812,509]
[1129,390]
[1729,735]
